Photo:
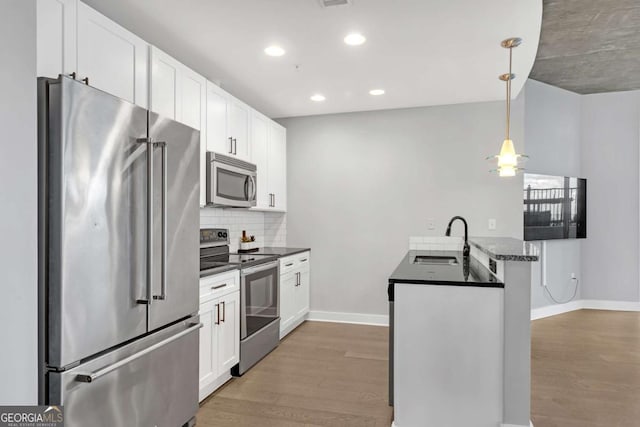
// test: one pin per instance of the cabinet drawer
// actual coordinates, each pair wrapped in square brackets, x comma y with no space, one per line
[303,261]
[212,287]
[288,264]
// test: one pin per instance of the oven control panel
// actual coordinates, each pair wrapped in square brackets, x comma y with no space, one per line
[209,236]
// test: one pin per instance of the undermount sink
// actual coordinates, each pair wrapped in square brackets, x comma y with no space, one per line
[434,259]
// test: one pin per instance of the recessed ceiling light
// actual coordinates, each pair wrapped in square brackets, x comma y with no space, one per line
[318,97]
[274,51]
[355,39]
[376,92]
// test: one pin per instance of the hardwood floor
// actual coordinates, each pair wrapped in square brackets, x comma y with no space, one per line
[585,373]
[322,374]
[586,370]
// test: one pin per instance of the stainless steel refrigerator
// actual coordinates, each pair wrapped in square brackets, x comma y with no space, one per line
[119,252]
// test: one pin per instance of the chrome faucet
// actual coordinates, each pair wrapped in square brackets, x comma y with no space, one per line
[466,249]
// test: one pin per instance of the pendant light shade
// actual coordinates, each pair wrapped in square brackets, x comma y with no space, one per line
[508,159]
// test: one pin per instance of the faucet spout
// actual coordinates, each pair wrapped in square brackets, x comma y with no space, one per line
[466,249]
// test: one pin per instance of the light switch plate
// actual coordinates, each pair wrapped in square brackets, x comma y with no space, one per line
[492,224]
[431,224]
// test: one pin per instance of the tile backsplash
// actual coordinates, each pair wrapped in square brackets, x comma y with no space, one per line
[270,228]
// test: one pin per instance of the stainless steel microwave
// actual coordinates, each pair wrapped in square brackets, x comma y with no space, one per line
[230,182]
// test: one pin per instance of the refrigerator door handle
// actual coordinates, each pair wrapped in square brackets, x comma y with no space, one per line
[163,236]
[149,293]
[88,378]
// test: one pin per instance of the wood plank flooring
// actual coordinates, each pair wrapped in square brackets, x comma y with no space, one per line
[322,374]
[585,373]
[586,370]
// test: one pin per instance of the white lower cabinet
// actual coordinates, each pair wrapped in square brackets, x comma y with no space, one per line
[220,335]
[295,274]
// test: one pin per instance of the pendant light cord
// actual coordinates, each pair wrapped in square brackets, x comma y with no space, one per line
[509,94]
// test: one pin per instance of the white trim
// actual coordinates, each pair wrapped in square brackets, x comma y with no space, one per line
[516,425]
[357,318]
[611,305]
[553,310]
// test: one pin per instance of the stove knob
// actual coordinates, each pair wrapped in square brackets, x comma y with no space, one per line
[219,233]
[224,235]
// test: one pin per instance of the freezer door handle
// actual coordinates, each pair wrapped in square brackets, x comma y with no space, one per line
[163,235]
[88,378]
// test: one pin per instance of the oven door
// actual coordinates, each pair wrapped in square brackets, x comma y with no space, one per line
[230,186]
[259,298]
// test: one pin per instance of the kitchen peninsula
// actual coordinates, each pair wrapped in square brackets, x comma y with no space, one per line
[460,334]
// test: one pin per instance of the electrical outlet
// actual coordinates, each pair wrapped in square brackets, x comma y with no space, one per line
[431,224]
[492,224]
[573,276]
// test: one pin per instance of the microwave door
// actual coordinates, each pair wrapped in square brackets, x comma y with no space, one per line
[230,186]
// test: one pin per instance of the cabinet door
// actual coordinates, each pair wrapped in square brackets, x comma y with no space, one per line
[287,300]
[165,80]
[56,37]
[277,168]
[218,137]
[302,294]
[208,345]
[259,156]
[229,332]
[239,128]
[193,113]
[113,59]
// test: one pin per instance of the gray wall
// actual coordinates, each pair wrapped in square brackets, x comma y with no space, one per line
[552,135]
[18,192]
[610,136]
[360,184]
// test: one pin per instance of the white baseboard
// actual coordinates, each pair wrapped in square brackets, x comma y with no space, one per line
[357,318]
[517,425]
[552,310]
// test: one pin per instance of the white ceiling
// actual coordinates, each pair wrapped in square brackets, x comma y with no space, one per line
[422,52]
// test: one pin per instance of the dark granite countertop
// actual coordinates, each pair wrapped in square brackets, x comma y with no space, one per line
[441,274]
[280,251]
[506,248]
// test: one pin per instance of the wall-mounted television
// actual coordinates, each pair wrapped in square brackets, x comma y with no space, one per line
[555,207]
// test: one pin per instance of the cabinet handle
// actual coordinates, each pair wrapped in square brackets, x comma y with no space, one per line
[274,200]
[224,312]
[230,145]
[217,322]
[297,279]
[213,288]
[288,265]
[303,260]
[86,81]
[73,75]
[235,146]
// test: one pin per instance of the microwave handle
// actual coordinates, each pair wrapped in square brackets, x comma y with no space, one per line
[254,189]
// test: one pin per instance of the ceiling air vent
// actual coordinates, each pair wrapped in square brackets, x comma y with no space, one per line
[330,3]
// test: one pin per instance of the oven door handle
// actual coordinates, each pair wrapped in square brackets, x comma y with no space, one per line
[259,268]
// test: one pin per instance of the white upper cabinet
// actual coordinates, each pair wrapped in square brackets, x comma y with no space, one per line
[260,156]
[269,153]
[218,139]
[278,166]
[56,37]
[180,93]
[239,128]
[227,123]
[113,59]
[164,84]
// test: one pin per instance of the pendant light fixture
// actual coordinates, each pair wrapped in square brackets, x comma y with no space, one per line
[508,159]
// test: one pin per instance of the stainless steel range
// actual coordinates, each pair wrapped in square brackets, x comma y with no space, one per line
[259,294]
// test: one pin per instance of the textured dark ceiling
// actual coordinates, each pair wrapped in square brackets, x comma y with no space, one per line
[589,46]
